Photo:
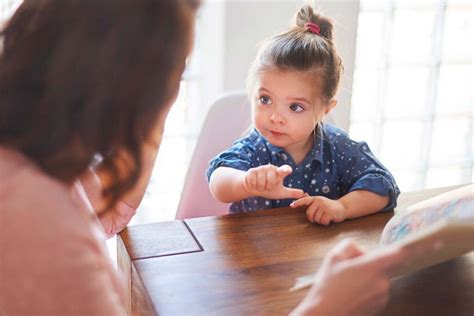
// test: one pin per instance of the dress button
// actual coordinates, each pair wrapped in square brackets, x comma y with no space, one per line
[326,189]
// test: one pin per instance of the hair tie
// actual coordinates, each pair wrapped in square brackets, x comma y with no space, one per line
[313,28]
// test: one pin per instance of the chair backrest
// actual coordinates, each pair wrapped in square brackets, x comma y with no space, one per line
[227,120]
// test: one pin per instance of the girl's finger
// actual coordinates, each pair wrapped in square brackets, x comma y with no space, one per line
[307,200]
[318,215]
[288,193]
[283,171]
[251,180]
[272,179]
[261,180]
[325,219]
[311,211]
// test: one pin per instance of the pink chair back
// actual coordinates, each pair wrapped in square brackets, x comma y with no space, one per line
[228,118]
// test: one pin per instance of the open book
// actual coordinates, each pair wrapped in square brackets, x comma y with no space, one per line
[447,219]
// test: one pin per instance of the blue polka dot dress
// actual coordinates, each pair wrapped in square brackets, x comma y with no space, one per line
[335,166]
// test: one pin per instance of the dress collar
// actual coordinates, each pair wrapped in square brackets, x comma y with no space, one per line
[316,152]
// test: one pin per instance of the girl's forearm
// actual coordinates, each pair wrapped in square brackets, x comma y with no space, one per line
[227,185]
[360,202]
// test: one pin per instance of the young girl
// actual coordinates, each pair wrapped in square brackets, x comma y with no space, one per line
[290,154]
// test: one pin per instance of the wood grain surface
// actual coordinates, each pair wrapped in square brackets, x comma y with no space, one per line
[245,264]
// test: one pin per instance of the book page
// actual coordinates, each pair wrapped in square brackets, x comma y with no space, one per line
[446,219]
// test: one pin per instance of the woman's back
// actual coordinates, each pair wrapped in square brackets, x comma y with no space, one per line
[52,247]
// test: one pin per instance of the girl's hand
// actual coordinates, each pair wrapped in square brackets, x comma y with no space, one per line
[267,181]
[322,210]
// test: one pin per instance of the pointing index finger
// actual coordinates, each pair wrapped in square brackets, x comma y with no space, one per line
[306,200]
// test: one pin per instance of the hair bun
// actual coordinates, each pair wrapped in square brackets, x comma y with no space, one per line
[307,15]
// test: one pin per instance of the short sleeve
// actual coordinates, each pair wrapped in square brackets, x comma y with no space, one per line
[240,156]
[363,171]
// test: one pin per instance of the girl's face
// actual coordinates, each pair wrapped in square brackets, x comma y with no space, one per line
[285,109]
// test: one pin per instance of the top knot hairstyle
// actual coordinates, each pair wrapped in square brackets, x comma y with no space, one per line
[307,15]
[307,47]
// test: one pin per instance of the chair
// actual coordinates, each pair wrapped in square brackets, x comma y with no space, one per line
[227,120]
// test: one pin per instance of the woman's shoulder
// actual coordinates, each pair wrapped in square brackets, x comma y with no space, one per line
[25,183]
[37,206]
[48,227]
[34,201]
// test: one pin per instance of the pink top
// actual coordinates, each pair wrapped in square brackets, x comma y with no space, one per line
[53,259]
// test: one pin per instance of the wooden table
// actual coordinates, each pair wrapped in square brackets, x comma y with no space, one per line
[244,265]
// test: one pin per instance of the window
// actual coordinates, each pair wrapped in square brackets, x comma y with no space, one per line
[412,94]
[181,132]
[7,7]
[198,89]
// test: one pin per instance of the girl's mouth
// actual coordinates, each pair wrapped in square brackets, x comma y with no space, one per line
[275,133]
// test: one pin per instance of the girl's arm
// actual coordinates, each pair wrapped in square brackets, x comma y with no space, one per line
[354,204]
[366,174]
[227,185]
[361,202]
[232,185]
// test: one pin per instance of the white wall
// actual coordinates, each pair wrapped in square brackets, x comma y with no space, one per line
[209,51]
[247,23]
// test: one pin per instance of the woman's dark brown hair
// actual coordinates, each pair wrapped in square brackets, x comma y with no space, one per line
[87,78]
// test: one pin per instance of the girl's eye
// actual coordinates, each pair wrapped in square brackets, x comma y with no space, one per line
[265,100]
[295,107]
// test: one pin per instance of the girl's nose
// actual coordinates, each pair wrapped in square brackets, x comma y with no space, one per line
[277,118]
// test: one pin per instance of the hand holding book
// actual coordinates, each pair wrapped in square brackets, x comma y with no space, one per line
[430,232]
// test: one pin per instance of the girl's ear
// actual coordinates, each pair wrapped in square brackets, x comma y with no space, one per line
[329,106]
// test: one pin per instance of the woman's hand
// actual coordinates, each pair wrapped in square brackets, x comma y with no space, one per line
[113,220]
[350,282]
[322,210]
[116,219]
[267,181]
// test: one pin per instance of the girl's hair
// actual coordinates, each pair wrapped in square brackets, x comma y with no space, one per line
[87,78]
[302,49]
